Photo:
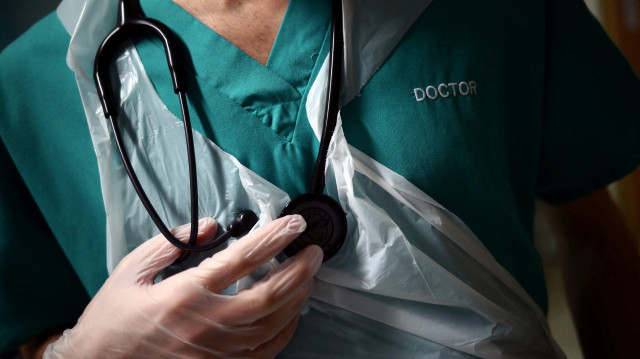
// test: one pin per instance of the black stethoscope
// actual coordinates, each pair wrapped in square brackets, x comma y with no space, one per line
[326,220]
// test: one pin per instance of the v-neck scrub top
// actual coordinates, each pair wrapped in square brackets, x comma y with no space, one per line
[255,112]
[484,106]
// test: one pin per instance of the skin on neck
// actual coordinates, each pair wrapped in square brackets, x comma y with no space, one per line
[251,25]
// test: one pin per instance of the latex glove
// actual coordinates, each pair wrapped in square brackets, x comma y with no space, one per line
[184,315]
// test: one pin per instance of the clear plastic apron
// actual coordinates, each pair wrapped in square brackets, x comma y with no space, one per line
[411,281]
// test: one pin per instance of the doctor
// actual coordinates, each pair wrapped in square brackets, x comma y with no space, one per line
[185,315]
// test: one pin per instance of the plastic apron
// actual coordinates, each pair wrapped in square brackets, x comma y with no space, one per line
[411,281]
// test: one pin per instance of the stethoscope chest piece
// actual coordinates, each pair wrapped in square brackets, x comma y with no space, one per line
[326,223]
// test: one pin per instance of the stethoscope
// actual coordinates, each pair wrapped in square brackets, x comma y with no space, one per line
[326,220]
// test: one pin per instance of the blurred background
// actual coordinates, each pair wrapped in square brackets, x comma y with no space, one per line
[16,16]
[621,19]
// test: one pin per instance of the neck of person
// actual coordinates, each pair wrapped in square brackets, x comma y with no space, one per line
[251,25]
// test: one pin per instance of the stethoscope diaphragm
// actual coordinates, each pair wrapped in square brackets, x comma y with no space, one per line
[326,223]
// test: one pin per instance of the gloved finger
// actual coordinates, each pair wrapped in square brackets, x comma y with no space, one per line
[265,329]
[244,256]
[231,337]
[151,257]
[269,294]
[274,346]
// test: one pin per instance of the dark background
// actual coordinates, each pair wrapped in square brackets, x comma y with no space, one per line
[16,16]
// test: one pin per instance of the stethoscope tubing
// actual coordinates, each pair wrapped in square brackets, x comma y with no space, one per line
[332,106]
[130,22]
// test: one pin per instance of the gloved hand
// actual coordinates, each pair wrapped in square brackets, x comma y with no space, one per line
[184,316]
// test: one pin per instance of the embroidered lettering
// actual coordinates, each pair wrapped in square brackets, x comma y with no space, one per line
[453,88]
[431,89]
[463,87]
[446,90]
[472,86]
[443,94]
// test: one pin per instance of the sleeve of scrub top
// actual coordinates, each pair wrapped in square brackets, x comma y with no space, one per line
[591,129]
[38,288]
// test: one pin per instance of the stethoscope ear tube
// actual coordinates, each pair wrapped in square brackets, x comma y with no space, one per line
[332,105]
[326,220]
[129,24]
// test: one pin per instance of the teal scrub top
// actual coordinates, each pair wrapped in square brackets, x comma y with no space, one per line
[483,105]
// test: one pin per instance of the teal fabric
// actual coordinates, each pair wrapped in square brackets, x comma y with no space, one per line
[544,122]
[554,115]
[52,226]
[580,134]
[254,112]
[477,155]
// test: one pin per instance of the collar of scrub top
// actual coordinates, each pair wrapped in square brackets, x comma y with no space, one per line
[326,220]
